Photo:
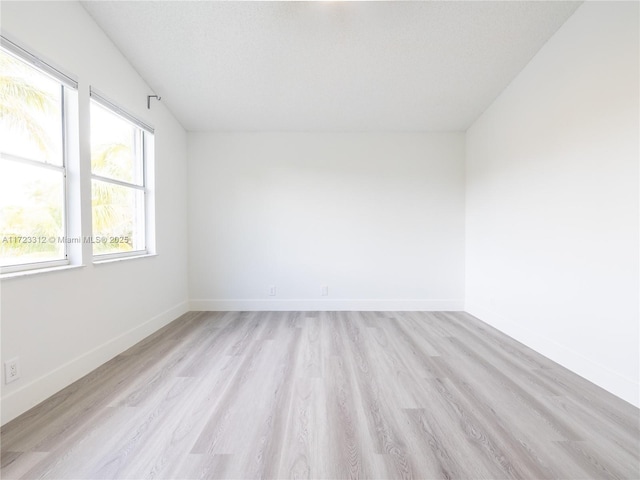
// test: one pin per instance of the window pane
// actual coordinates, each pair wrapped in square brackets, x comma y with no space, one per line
[31,213]
[116,146]
[118,218]
[30,112]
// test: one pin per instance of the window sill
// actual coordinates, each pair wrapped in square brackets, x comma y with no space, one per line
[123,259]
[38,271]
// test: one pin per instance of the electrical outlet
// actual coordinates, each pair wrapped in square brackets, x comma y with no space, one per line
[272,291]
[325,290]
[11,370]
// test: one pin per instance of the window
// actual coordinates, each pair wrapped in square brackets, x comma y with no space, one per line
[33,190]
[42,178]
[120,160]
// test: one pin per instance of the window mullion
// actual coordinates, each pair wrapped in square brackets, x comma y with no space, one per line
[116,182]
[28,161]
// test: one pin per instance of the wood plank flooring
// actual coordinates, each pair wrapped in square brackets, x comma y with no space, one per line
[327,395]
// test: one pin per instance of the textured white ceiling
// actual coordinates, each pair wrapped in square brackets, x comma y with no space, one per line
[330,66]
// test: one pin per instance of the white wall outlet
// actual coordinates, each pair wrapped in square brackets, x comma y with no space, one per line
[272,291]
[325,290]
[11,370]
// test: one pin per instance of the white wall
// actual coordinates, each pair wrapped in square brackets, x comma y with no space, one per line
[551,225]
[64,324]
[378,218]
[552,201]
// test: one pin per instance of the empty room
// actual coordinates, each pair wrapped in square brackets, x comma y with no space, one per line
[321,240]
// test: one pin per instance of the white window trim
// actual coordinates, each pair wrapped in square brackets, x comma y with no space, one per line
[24,267]
[110,105]
[107,257]
[146,210]
[66,82]
[39,62]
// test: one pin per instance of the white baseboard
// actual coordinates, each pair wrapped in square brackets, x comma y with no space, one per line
[34,392]
[615,383]
[308,305]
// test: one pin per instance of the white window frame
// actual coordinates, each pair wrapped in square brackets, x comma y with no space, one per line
[146,152]
[67,82]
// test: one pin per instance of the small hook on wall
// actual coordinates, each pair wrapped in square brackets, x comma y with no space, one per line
[149,97]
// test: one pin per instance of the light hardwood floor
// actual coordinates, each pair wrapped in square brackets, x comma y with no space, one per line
[327,395]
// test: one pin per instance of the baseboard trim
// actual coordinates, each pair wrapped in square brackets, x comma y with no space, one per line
[34,392]
[221,305]
[613,382]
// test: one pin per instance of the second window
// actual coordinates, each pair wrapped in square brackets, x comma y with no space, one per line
[118,183]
